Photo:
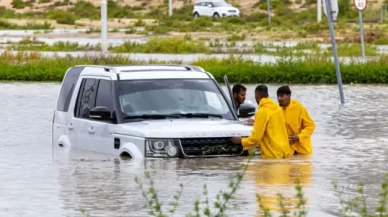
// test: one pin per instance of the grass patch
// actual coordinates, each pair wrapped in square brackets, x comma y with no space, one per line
[57,46]
[354,50]
[187,45]
[163,45]
[4,24]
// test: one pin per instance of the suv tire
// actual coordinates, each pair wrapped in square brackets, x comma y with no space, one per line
[195,15]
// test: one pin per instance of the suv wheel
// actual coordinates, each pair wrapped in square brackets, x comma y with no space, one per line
[216,15]
[196,15]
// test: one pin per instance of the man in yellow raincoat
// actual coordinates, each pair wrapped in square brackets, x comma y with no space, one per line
[269,129]
[300,126]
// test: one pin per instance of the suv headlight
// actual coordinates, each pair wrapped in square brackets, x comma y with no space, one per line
[161,148]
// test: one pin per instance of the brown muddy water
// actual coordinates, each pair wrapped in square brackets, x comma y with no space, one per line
[350,145]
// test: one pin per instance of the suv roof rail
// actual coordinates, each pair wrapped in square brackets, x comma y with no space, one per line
[106,68]
[112,67]
[187,67]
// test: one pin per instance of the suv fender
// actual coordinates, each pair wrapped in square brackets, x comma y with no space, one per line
[132,150]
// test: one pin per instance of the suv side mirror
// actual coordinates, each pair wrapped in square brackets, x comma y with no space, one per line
[101,113]
[246,110]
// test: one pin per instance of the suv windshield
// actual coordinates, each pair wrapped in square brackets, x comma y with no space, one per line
[173,98]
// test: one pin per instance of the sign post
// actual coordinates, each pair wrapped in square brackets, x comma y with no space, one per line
[333,16]
[104,26]
[360,6]
[269,12]
[170,8]
[319,10]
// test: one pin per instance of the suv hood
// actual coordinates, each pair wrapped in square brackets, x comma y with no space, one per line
[172,128]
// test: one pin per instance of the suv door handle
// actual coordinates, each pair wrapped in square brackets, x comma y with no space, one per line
[70,126]
[91,130]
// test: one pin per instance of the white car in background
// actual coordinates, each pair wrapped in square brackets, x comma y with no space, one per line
[214,8]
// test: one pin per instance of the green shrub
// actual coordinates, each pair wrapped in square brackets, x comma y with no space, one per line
[117,11]
[86,10]
[313,70]
[18,4]
[63,17]
[164,45]
[6,13]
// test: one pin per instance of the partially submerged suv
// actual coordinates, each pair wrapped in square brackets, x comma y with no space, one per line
[147,111]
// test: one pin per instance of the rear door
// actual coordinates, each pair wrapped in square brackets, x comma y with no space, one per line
[60,117]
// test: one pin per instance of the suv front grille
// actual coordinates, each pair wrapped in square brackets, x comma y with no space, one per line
[218,146]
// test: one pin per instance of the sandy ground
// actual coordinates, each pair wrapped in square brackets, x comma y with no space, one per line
[245,5]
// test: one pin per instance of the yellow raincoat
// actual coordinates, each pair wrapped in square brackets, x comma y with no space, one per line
[269,131]
[299,122]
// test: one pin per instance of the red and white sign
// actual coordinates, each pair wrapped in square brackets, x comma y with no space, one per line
[360,4]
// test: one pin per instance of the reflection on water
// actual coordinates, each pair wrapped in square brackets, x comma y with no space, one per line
[274,177]
[350,144]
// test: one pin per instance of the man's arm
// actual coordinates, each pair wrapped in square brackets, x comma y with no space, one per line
[257,132]
[308,125]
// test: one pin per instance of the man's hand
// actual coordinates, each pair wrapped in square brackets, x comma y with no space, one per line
[249,122]
[236,140]
[293,139]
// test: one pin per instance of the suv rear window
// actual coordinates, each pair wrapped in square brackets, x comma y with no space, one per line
[67,88]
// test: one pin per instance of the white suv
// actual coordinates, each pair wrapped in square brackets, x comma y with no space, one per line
[147,111]
[214,8]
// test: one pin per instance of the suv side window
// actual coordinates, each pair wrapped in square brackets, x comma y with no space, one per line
[104,95]
[86,97]
[67,88]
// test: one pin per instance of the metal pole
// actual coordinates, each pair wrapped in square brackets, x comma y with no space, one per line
[170,8]
[361,35]
[104,47]
[269,12]
[319,10]
[335,54]
[381,14]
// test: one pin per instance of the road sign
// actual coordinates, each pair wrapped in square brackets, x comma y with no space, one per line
[334,9]
[360,4]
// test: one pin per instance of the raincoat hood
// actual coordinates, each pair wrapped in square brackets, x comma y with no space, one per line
[268,103]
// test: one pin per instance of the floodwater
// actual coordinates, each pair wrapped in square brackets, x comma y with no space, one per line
[350,145]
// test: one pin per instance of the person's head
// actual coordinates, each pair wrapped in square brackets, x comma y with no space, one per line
[239,93]
[284,95]
[261,92]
